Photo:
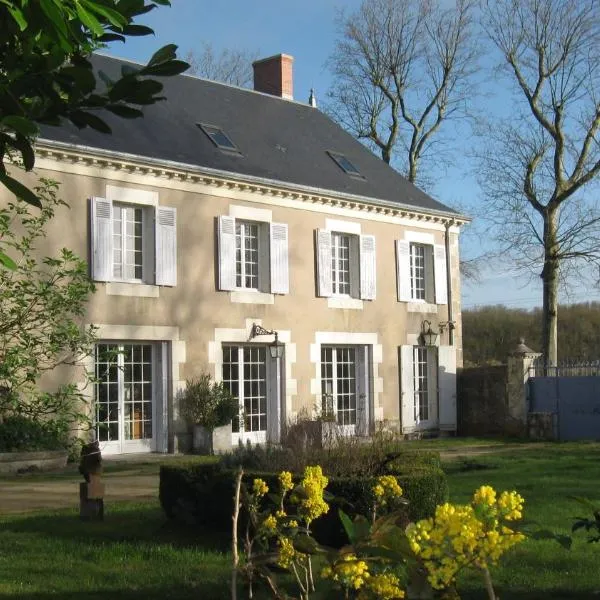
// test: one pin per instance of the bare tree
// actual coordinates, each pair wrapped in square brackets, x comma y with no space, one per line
[400,69]
[228,66]
[538,161]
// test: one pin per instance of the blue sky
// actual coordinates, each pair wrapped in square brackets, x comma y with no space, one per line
[307,31]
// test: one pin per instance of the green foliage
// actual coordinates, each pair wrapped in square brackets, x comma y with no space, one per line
[207,403]
[344,457]
[43,302]
[46,75]
[22,434]
[203,494]
[490,333]
[590,525]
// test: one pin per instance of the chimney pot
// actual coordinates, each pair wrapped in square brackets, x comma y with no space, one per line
[274,76]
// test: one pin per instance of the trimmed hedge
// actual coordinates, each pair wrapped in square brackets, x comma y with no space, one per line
[21,434]
[203,494]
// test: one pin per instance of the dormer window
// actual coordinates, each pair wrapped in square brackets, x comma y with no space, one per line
[344,163]
[219,138]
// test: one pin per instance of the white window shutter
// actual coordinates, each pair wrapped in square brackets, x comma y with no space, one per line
[368,267]
[226,244]
[441,282]
[166,246]
[447,387]
[162,397]
[407,390]
[101,211]
[280,276]
[323,247]
[403,270]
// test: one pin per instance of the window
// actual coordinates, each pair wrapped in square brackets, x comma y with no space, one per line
[128,253]
[124,394]
[245,376]
[252,256]
[133,243]
[346,264]
[344,163]
[417,271]
[345,372]
[246,255]
[219,138]
[421,272]
[340,263]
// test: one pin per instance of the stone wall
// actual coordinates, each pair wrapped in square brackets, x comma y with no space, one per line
[482,402]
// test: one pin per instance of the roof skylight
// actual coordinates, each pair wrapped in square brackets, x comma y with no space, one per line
[219,138]
[344,163]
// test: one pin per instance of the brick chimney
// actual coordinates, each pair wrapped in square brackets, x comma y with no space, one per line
[274,76]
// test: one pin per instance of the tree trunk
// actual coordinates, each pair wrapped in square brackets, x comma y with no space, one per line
[550,291]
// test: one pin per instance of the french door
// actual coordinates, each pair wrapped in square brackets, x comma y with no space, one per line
[125,397]
[251,375]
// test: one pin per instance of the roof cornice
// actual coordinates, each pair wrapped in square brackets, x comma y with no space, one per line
[119,161]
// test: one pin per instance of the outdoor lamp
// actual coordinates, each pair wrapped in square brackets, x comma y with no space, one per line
[428,336]
[276,347]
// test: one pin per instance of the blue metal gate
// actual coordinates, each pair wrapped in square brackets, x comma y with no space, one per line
[575,400]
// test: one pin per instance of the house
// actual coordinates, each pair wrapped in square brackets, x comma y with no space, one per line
[225,214]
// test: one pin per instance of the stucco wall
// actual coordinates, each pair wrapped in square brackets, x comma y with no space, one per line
[197,309]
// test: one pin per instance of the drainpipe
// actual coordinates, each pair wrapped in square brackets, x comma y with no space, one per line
[449,284]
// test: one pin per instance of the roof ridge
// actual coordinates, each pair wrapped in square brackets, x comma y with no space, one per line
[222,83]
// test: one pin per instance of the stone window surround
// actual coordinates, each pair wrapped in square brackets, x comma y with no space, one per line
[241,336]
[348,339]
[420,306]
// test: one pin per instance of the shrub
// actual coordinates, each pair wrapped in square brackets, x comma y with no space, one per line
[20,434]
[203,494]
[345,457]
[207,403]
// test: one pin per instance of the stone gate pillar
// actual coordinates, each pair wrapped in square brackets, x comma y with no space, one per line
[519,362]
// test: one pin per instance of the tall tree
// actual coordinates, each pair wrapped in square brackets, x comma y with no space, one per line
[538,162]
[228,66]
[400,69]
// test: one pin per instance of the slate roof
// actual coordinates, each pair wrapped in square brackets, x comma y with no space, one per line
[280,140]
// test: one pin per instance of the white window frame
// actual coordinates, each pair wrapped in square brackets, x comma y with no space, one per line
[159,242]
[273,256]
[341,278]
[146,243]
[335,381]
[260,263]
[425,388]
[258,436]
[418,272]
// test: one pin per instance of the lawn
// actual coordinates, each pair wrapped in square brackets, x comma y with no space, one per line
[136,554]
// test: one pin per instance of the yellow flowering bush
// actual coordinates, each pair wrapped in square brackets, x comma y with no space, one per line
[350,572]
[459,536]
[286,554]
[259,488]
[386,490]
[310,497]
[285,481]
[385,586]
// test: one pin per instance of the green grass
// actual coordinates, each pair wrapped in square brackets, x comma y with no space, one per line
[136,554]
[133,554]
[545,477]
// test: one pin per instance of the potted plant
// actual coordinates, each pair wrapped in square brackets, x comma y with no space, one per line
[209,407]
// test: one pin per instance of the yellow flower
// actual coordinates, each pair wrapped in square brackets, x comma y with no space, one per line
[312,505]
[386,489]
[259,488]
[270,524]
[286,553]
[384,587]
[350,572]
[462,535]
[285,480]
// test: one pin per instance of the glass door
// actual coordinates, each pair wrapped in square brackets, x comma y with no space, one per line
[125,397]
